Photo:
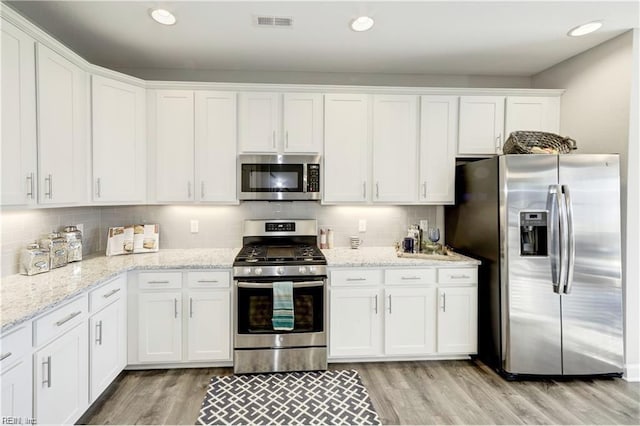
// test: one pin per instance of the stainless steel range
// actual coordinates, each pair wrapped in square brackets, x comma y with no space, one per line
[279,251]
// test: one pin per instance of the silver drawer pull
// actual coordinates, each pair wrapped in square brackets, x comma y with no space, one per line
[356,279]
[411,278]
[68,318]
[208,281]
[111,293]
[5,356]
[458,277]
[158,282]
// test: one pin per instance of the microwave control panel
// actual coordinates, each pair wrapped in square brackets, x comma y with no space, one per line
[313,177]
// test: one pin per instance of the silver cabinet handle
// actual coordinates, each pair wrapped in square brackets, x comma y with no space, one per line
[274,139]
[459,277]
[444,302]
[389,303]
[48,179]
[364,190]
[377,190]
[98,188]
[424,189]
[68,318]
[111,293]
[191,307]
[286,138]
[31,192]
[175,308]
[189,189]
[498,143]
[208,281]
[202,189]
[410,278]
[5,356]
[48,372]
[356,279]
[99,333]
[157,282]
[376,304]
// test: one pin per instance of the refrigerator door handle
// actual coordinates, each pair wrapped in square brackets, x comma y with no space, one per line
[571,252]
[555,252]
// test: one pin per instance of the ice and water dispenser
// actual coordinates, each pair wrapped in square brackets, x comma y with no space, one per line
[533,233]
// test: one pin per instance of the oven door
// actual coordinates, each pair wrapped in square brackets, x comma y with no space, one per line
[254,312]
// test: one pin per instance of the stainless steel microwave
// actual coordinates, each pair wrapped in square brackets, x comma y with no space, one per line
[279,177]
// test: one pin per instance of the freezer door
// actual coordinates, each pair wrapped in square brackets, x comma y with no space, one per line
[592,309]
[531,329]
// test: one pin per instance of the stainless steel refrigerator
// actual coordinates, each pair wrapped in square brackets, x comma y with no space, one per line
[547,229]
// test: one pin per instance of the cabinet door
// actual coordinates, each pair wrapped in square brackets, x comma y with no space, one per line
[438,136]
[356,322]
[15,384]
[457,320]
[62,138]
[481,125]
[61,378]
[532,113]
[174,146]
[395,148]
[159,327]
[346,148]
[215,138]
[118,118]
[302,122]
[259,121]
[19,180]
[209,325]
[410,321]
[107,357]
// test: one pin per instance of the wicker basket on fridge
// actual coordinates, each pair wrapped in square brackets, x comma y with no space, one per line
[533,142]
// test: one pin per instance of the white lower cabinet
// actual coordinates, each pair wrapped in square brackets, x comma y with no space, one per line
[402,313]
[160,327]
[61,377]
[209,325]
[16,374]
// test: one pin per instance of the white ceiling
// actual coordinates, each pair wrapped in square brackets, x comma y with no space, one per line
[513,38]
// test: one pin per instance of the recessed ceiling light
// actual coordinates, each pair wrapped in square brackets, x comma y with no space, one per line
[362,23]
[583,29]
[163,16]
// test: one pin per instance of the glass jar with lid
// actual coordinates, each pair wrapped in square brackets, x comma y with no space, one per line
[73,236]
[57,246]
[34,260]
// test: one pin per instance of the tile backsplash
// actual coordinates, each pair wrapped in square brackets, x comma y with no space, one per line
[219,226]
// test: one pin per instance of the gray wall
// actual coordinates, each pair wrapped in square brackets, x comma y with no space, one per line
[595,112]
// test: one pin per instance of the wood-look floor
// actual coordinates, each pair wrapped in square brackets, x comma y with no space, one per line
[422,392]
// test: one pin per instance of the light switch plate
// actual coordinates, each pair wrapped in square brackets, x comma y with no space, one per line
[362,225]
[194,226]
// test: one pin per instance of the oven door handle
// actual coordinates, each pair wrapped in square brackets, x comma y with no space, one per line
[302,284]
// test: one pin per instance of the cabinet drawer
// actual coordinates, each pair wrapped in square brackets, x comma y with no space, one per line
[106,294]
[356,277]
[410,276]
[14,345]
[60,320]
[457,275]
[156,280]
[208,279]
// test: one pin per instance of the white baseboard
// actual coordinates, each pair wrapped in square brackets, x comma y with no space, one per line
[632,373]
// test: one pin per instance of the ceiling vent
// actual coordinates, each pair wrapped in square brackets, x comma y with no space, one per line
[273,21]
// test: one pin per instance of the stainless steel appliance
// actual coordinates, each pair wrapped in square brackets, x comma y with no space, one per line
[276,251]
[279,177]
[547,229]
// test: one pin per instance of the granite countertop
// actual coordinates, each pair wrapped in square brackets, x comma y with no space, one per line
[23,297]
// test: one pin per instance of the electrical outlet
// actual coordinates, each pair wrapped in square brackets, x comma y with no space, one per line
[80,227]
[194,226]
[362,225]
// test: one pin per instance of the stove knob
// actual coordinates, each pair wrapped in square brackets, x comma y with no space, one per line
[279,270]
[302,270]
[312,269]
[257,271]
[247,271]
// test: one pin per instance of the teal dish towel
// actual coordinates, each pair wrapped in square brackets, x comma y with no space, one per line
[282,306]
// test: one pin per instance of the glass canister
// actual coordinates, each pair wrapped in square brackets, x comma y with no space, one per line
[34,260]
[57,246]
[73,236]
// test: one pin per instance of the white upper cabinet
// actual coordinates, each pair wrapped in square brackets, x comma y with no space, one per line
[395,148]
[215,146]
[19,179]
[481,125]
[259,121]
[284,123]
[62,129]
[532,113]
[302,122]
[346,148]
[438,136]
[119,141]
[174,145]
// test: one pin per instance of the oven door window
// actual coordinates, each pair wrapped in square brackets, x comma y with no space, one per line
[272,178]
[255,310]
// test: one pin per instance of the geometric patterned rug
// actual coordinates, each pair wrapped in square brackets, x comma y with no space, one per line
[335,397]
